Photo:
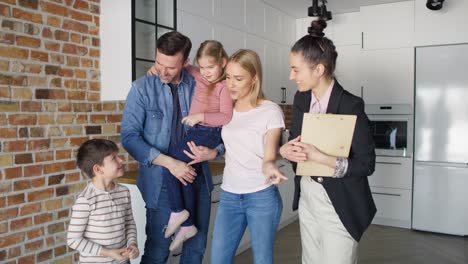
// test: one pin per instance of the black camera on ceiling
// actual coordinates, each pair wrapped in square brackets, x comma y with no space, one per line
[319,11]
[434,4]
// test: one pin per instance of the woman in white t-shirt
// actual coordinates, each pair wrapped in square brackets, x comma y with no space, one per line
[249,195]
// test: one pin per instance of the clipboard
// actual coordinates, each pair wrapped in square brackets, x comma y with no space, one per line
[332,134]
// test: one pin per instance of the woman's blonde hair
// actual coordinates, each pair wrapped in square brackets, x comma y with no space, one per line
[215,50]
[250,61]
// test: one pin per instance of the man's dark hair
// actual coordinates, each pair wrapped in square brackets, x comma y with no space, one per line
[172,43]
[93,152]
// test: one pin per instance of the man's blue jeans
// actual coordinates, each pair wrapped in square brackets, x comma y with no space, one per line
[260,211]
[182,196]
[157,247]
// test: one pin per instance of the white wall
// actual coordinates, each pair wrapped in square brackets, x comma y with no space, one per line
[237,24]
[116,49]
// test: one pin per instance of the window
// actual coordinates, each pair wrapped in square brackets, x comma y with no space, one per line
[150,19]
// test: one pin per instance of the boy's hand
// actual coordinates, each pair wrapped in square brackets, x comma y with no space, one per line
[194,119]
[132,251]
[116,254]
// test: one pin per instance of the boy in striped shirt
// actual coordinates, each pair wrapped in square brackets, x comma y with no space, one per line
[101,225]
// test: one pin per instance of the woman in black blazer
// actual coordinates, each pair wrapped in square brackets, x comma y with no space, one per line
[334,211]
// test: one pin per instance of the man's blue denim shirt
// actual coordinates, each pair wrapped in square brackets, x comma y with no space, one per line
[146,129]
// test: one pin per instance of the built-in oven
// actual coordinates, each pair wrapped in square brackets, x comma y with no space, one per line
[392,129]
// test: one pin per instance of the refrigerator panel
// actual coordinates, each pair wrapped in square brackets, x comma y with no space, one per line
[440,198]
[441,119]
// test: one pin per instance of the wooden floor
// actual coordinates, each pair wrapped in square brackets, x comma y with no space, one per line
[380,245]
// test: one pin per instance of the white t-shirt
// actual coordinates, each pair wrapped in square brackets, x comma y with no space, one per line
[244,139]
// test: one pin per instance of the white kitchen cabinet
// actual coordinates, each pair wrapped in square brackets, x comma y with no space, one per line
[303,24]
[197,7]
[388,76]
[348,68]
[388,25]
[393,206]
[272,71]
[273,24]
[139,216]
[445,26]
[255,17]
[345,29]
[391,186]
[190,25]
[232,39]
[392,172]
[232,14]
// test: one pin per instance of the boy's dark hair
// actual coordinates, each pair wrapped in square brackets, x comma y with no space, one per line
[172,43]
[93,152]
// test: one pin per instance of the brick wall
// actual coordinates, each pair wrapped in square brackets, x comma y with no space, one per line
[49,104]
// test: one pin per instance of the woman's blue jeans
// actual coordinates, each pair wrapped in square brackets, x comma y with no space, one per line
[260,211]
[181,196]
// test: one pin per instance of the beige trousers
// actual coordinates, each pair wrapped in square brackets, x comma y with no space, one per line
[324,238]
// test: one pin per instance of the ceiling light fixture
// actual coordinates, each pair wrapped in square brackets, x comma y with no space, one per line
[319,11]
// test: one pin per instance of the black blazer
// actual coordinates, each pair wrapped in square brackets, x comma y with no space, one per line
[350,195]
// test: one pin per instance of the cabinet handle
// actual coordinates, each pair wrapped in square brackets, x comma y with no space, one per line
[362,92]
[388,194]
[362,40]
[385,162]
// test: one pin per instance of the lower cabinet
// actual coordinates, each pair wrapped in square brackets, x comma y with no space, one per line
[391,186]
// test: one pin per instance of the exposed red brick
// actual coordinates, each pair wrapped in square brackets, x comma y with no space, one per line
[15,199]
[38,182]
[8,132]
[31,106]
[94,53]
[20,223]
[39,56]
[21,185]
[28,3]
[34,246]
[40,195]
[47,33]
[76,142]
[66,72]
[12,173]
[50,94]
[23,158]
[75,26]
[80,16]
[53,8]
[76,95]
[14,252]
[28,41]
[24,15]
[26,260]
[55,228]
[8,214]
[75,38]
[45,255]
[38,144]
[32,170]
[53,46]
[12,52]
[30,209]
[54,21]
[22,119]
[44,156]
[62,35]
[81,5]
[7,38]
[11,240]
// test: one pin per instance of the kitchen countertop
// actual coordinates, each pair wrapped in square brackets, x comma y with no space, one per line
[216,168]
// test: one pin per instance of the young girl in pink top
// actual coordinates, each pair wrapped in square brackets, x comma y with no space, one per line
[211,108]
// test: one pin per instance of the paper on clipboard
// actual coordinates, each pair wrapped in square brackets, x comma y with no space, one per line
[332,134]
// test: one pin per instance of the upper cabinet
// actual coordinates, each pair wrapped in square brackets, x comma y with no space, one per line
[345,29]
[446,26]
[348,70]
[387,25]
[388,76]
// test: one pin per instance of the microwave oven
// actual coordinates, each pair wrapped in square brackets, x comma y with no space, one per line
[392,129]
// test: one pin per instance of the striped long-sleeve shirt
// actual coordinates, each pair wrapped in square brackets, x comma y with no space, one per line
[101,219]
